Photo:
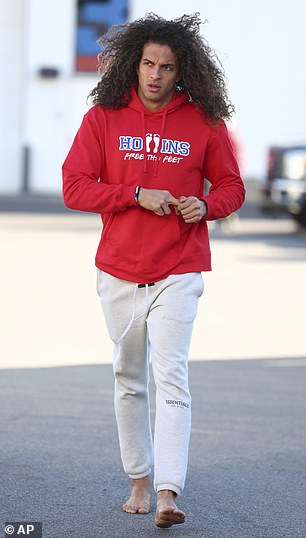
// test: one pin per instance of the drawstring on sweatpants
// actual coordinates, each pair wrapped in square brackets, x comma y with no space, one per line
[126,330]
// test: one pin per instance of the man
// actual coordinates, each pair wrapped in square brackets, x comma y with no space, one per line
[140,157]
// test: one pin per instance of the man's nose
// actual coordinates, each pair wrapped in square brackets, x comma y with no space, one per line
[155,73]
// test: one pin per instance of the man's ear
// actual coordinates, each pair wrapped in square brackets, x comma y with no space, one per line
[179,85]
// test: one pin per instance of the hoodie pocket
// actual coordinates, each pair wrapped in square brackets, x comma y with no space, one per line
[140,240]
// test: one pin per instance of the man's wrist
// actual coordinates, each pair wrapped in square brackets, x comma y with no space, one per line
[136,194]
[205,206]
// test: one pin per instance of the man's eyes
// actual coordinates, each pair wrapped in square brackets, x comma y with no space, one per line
[166,67]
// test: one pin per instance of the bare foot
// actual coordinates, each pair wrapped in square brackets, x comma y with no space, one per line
[167,513]
[139,501]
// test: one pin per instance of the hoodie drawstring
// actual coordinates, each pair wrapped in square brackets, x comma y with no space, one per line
[143,125]
[162,129]
[161,134]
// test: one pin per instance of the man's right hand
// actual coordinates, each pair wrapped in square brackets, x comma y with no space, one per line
[157,201]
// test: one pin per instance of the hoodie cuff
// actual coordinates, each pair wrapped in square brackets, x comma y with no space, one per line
[128,196]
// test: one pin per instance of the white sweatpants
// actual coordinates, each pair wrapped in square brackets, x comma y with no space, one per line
[142,321]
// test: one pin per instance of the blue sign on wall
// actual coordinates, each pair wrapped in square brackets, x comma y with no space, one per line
[94,19]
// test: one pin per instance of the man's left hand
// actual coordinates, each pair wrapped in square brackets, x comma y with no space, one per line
[192,209]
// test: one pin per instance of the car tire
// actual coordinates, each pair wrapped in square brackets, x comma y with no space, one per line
[301,216]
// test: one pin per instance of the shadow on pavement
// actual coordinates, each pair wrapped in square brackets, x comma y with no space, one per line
[247,474]
[33,203]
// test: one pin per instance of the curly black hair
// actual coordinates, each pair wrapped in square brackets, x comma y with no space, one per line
[201,73]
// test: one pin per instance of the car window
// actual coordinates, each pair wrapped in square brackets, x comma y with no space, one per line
[294,162]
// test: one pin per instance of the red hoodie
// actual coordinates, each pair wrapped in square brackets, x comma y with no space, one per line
[172,149]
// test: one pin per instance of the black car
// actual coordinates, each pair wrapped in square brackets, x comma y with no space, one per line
[285,183]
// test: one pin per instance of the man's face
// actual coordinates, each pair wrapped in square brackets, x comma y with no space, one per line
[157,73]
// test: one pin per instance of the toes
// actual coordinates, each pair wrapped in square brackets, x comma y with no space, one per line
[168,517]
[143,510]
[133,509]
[129,509]
[162,525]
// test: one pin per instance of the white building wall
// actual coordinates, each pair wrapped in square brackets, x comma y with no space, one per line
[11,89]
[262,47]
[54,106]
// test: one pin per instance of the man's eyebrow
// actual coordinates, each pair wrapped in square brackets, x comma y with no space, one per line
[163,65]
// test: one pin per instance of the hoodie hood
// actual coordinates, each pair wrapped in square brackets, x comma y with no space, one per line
[152,140]
[177,101]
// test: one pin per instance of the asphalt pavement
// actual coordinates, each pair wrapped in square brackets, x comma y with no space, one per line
[60,462]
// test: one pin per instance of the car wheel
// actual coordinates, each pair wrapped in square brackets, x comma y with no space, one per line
[301,216]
